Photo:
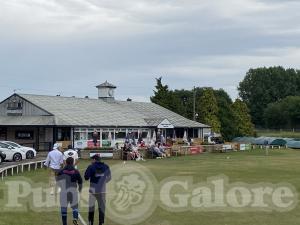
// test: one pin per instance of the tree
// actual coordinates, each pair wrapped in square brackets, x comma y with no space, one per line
[284,113]
[214,108]
[208,109]
[242,119]
[184,102]
[273,116]
[162,95]
[225,114]
[262,86]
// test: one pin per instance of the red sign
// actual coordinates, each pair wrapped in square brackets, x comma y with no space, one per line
[90,144]
[196,150]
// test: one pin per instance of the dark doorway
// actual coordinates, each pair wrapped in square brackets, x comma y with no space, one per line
[3,133]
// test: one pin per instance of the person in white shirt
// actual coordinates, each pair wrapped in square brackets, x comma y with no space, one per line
[73,154]
[54,161]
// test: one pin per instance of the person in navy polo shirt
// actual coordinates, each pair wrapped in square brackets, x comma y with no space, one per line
[99,174]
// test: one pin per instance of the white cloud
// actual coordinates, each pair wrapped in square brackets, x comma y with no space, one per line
[56,18]
[226,71]
[41,18]
[130,42]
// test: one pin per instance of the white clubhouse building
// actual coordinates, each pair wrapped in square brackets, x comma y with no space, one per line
[40,120]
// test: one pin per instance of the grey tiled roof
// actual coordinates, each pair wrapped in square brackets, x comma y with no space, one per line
[27,120]
[106,84]
[154,121]
[155,114]
[70,111]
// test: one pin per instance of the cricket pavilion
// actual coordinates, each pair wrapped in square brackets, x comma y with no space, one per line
[40,120]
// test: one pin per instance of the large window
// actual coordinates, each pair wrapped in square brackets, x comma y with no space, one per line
[80,135]
[63,134]
[77,136]
[179,132]
[105,135]
[145,134]
[169,133]
[90,135]
[133,133]
[120,134]
[190,133]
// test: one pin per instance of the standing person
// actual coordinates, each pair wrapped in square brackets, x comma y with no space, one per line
[70,182]
[95,137]
[71,153]
[190,141]
[99,174]
[54,161]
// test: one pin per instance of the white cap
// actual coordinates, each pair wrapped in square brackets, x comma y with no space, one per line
[56,146]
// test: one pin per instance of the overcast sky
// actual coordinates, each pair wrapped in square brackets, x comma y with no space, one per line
[68,47]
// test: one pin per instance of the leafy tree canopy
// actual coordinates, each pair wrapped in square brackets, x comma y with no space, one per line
[284,113]
[208,109]
[242,119]
[262,86]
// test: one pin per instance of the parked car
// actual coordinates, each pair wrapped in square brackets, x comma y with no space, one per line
[12,154]
[2,156]
[30,152]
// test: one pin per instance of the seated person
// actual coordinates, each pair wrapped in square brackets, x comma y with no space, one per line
[156,152]
[135,154]
[161,149]
[132,152]
[153,151]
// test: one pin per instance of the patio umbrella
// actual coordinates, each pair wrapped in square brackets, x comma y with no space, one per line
[174,135]
[149,138]
[185,136]
[153,138]
[110,137]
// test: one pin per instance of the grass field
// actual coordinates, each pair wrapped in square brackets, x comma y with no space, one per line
[250,167]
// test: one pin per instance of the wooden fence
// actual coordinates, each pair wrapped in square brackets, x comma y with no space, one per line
[20,168]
